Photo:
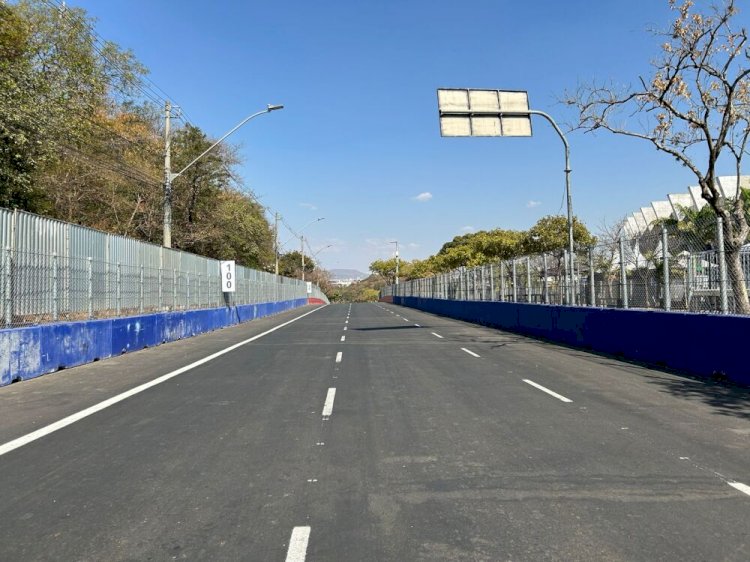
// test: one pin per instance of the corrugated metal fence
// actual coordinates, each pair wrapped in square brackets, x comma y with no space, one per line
[52,271]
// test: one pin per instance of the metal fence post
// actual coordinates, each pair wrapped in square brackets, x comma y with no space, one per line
[492,282]
[592,278]
[8,289]
[140,293]
[623,276]
[665,263]
[91,288]
[55,289]
[174,289]
[546,275]
[187,289]
[722,266]
[515,286]
[161,289]
[200,302]
[118,288]
[528,279]
[566,261]
[502,281]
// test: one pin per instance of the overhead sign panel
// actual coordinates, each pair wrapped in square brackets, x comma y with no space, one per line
[483,113]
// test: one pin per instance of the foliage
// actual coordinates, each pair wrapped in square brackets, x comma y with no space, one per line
[551,233]
[290,264]
[77,144]
[470,250]
[367,290]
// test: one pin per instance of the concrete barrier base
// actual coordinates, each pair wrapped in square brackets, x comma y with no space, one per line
[702,345]
[29,352]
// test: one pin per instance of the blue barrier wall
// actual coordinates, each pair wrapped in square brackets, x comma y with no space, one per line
[703,345]
[29,352]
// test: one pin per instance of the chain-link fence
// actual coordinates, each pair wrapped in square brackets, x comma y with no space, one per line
[54,271]
[692,265]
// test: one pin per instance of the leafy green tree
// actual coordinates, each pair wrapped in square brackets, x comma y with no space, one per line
[20,137]
[551,233]
[385,268]
[290,264]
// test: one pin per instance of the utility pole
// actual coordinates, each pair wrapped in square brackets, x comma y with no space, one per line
[276,242]
[167,235]
[397,259]
[302,248]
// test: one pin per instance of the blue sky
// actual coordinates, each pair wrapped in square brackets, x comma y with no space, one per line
[358,140]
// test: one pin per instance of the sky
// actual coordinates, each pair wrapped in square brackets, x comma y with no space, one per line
[358,141]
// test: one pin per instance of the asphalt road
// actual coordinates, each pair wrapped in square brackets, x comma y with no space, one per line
[372,432]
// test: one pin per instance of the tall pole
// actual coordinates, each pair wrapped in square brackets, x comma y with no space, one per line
[276,243]
[396,262]
[167,233]
[302,248]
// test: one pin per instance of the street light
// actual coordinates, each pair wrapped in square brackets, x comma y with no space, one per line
[169,177]
[315,254]
[500,113]
[396,243]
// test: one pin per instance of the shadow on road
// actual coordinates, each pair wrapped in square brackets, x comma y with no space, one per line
[725,399]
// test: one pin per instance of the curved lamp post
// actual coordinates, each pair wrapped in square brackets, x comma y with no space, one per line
[169,177]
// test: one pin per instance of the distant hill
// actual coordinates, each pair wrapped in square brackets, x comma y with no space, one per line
[347,274]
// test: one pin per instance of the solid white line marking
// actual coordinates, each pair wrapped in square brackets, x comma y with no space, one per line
[328,406]
[547,390]
[469,352]
[437,335]
[338,356]
[741,487]
[343,338]
[51,428]
[297,551]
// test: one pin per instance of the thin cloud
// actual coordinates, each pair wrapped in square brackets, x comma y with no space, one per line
[467,229]
[531,204]
[309,206]
[423,197]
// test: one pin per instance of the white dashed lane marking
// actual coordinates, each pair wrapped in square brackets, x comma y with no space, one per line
[297,551]
[437,335]
[339,355]
[547,390]
[328,406]
[469,352]
[745,489]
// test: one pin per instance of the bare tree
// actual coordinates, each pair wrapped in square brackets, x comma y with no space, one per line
[695,107]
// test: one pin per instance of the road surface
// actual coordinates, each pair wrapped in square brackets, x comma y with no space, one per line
[372,432]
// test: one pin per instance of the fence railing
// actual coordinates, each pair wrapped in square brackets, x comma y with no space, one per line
[671,266]
[55,271]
